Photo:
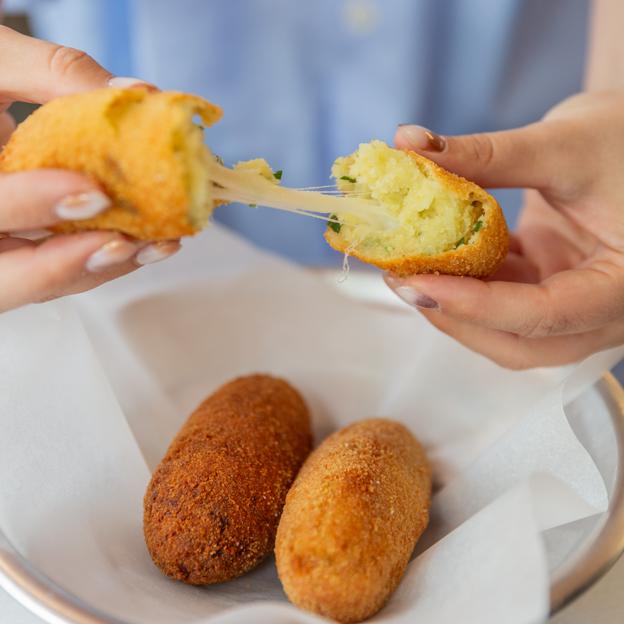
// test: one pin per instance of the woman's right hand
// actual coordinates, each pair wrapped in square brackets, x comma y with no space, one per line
[32,271]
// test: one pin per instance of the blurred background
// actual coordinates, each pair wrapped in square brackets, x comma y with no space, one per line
[304,82]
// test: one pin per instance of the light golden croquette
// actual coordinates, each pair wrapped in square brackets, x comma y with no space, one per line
[444,223]
[351,520]
[142,147]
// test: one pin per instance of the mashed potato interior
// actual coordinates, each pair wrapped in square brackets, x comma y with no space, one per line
[196,157]
[258,166]
[431,218]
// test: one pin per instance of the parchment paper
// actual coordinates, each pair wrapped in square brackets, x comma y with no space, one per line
[92,390]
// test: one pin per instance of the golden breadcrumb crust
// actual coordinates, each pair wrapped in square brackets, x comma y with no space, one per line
[125,139]
[483,254]
[351,520]
[212,507]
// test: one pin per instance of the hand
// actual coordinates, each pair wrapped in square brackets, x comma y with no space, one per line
[37,71]
[559,296]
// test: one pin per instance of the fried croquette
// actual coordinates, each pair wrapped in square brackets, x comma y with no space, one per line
[142,147]
[445,224]
[213,504]
[351,520]
[397,210]
[146,151]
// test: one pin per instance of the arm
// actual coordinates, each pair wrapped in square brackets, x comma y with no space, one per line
[605,62]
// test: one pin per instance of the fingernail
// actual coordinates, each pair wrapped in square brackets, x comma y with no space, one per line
[155,252]
[422,139]
[128,82]
[82,205]
[31,235]
[409,294]
[415,298]
[112,253]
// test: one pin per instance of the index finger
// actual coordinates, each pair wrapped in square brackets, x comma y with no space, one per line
[43,197]
[33,70]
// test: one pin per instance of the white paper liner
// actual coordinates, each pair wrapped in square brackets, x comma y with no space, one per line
[86,412]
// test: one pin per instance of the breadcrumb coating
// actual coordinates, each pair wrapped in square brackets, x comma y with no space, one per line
[142,147]
[213,505]
[351,520]
[446,224]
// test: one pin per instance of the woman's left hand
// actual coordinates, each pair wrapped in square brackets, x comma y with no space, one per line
[559,295]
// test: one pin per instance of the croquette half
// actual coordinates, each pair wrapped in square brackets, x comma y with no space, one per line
[398,210]
[444,223]
[351,520]
[213,504]
[142,147]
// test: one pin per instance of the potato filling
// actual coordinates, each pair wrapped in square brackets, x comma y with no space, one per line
[197,158]
[431,218]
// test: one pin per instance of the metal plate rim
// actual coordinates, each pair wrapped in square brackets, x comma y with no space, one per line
[590,563]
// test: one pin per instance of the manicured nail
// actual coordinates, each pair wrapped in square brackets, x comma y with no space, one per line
[155,252]
[112,253]
[415,298]
[82,205]
[409,294]
[422,139]
[32,235]
[128,82]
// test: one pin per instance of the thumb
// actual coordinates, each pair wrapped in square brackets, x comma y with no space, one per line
[33,70]
[528,157]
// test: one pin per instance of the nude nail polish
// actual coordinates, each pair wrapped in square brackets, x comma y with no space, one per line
[421,138]
[111,254]
[82,205]
[155,252]
[32,235]
[129,82]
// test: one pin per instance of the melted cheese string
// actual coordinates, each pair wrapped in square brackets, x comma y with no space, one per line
[251,188]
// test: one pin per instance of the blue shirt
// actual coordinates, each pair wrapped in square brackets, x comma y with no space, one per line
[303,82]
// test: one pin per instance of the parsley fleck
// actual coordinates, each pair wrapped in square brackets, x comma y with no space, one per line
[460,242]
[278,175]
[477,226]
[253,205]
[218,158]
[348,179]
[333,225]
